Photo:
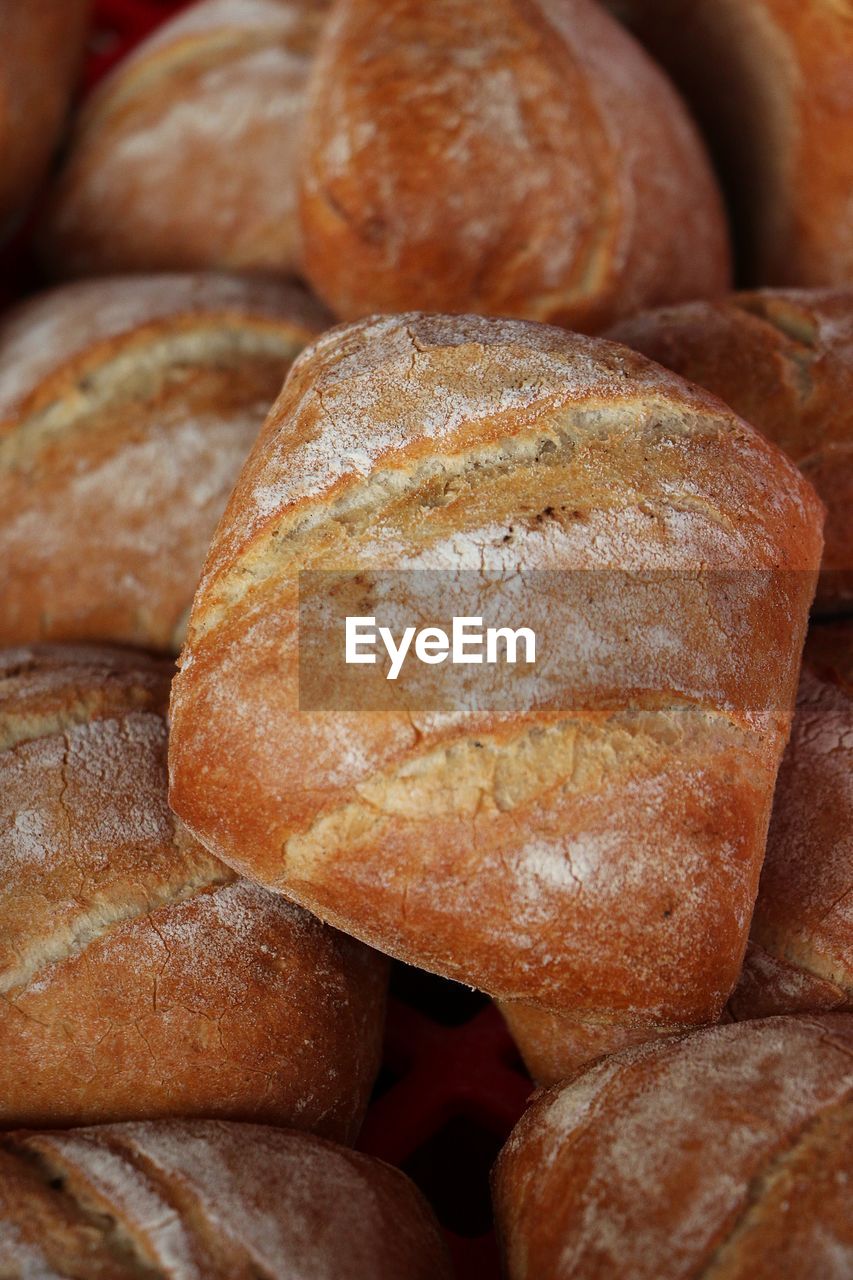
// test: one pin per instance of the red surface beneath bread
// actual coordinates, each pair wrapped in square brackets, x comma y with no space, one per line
[119,25]
[452,1085]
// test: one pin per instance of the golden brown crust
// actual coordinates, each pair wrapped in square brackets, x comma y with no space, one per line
[506,157]
[139,976]
[127,407]
[41,45]
[185,156]
[769,82]
[784,361]
[722,1155]
[801,949]
[464,443]
[205,1200]
[555,1044]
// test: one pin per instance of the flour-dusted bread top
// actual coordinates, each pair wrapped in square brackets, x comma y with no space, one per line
[783,359]
[140,977]
[507,157]
[600,845]
[127,407]
[725,1154]
[368,403]
[185,156]
[201,1200]
[54,339]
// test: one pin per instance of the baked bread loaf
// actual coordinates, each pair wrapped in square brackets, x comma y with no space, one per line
[726,1153]
[507,157]
[41,45]
[769,82]
[140,977]
[784,361]
[184,157]
[206,1200]
[127,408]
[594,849]
[800,956]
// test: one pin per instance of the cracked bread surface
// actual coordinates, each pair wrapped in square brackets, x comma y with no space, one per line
[207,1200]
[126,410]
[599,858]
[720,1155]
[139,976]
[783,360]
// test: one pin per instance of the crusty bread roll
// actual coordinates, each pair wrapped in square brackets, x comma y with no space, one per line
[800,957]
[769,82]
[41,44]
[127,408]
[206,1200]
[509,157]
[140,977]
[784,361]
[596,851]
[184,157]
[724,1155]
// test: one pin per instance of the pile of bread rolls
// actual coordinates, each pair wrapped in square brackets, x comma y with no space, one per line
[338,291]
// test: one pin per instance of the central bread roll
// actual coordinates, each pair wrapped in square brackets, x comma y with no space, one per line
[509,157]
[595,852]
[202,1200]
[140,978]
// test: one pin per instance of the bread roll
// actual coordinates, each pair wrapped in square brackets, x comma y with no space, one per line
[140,977]
[724,1154]
[783,361]
[127,408]
[509,157]
[206,1200]
[184,157]
[595,853]
[41,45]
[800,957]
[769,82]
